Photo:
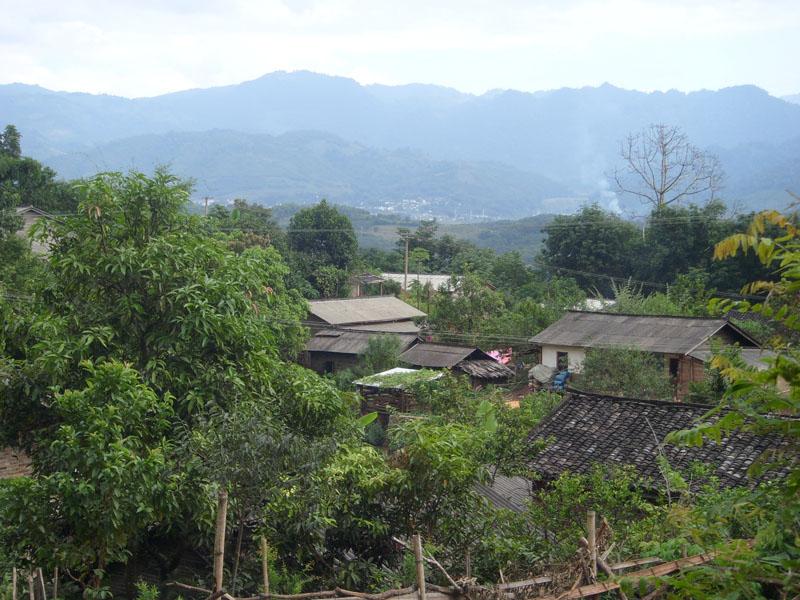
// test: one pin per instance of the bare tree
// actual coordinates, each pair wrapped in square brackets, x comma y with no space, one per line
[662,167]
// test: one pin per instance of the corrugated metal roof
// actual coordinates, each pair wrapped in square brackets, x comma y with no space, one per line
[371,309]
[435,281]
[662,334]
[511,493]
[587,429]
[388,327]
[438,356]
[753,357]
[350,342]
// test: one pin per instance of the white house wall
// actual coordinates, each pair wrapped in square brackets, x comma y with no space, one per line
[576,356]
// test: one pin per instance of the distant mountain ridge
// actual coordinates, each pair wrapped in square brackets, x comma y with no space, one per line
[569,136]
[793,98]
[301,167]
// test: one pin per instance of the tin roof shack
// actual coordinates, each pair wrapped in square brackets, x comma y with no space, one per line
[371,313]
[587,429]
[481,368]
[391,390]
[678,339]
[331,350]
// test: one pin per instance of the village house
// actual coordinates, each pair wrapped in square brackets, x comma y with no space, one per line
[30,215]
[684,342]
[373,313]
[588,429]
[341,329]
[331,350]
[436,282]
[479,366]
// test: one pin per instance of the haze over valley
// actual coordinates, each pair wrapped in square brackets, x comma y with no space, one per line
[419,150]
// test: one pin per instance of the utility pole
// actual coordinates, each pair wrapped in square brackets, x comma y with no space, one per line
[205,210]
[405,267]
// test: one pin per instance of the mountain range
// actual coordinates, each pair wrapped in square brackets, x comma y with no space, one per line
[295,137]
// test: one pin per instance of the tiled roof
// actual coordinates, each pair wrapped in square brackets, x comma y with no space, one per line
[586,429]
[662,334]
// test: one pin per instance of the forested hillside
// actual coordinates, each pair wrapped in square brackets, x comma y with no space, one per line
[570,136]
[301,167]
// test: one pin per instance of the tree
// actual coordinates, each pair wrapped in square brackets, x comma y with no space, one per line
[625,372]
[324,236]
[662,167]
[763,402]
[134,281]
[592,241]
[324,247]
[10,142]
[247,225]
[106,476]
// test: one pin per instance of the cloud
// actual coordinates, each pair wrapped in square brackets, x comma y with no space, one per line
[146,47]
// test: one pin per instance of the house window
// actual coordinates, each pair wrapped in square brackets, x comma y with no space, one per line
[674,365]
[562,361]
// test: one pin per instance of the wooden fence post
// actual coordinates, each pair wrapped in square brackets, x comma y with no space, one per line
[219,540]
[31,592]
[40,575]
[418,556]
[468,564]
[591,526]
[265,564]
[13,583]
[55,583]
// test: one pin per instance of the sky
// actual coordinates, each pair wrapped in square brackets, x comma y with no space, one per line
[148,47]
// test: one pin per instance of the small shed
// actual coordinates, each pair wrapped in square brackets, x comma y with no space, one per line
[331,350]
[391,390]
[478,365]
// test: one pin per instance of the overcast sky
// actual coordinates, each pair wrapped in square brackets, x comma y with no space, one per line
[148,47]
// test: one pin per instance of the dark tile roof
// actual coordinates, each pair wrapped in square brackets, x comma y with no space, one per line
[662,334]
[370,309]
[587,429]
[350,342]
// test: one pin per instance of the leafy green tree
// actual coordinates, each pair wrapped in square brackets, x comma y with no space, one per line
[764,402]
[133,280]
[10,142]
[105,475]
[625,372]
[247,225]
[322,237]
[592,241]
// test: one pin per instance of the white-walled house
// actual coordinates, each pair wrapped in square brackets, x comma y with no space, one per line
[684,342]
[555,356]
